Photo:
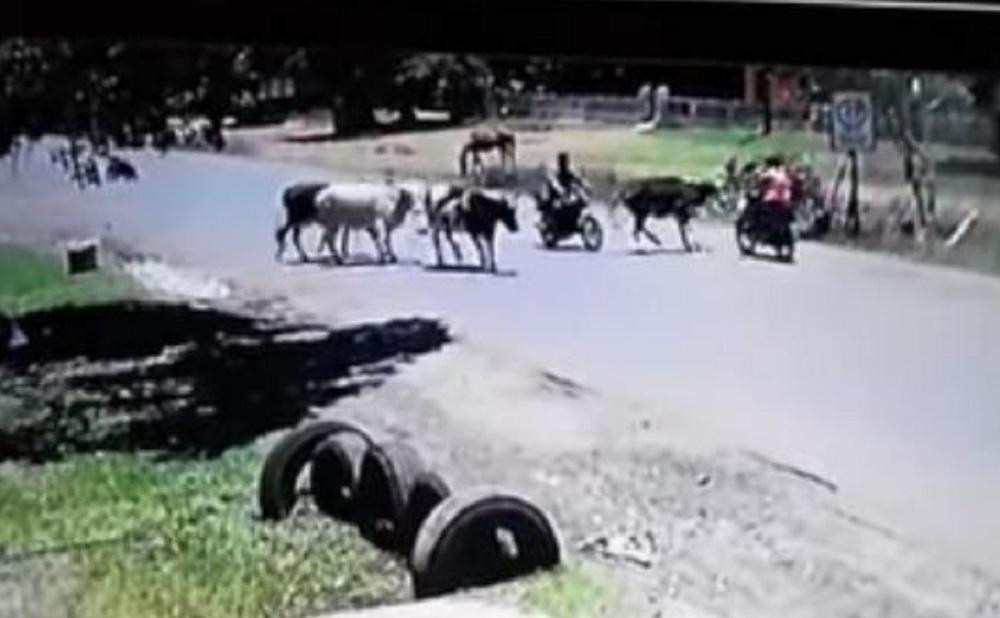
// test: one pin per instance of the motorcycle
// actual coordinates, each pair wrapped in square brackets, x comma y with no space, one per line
[758,224]
[561,222]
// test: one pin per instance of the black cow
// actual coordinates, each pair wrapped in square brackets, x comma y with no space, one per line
[665,197]
[120,169]
[299,202]
[478,213]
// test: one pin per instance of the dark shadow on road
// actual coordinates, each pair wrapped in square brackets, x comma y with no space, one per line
[183,381]
[565,248]
[660,251]
[468,269]
[364,261]
[768,257]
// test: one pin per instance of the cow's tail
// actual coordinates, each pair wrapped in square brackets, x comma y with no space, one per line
[463,157]
[282,223]
[617,200]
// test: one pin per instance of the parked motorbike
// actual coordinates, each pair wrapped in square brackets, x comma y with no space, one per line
[561,222]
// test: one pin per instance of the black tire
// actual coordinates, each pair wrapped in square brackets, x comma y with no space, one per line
[592,233]
[789,253]
[388,474]
[429,490]
[459,544]
[283,465]
[744,240]
[548,237]
[336,466]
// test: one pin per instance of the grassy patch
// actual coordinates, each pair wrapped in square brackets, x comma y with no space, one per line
[697,152]
[31,280]
[575,590]
[191,545]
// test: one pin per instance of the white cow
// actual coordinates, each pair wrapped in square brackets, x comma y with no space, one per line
[377,209]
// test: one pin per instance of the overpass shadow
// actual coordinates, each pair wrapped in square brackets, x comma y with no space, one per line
[180,381]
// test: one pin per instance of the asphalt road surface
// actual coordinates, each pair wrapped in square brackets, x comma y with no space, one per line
[881,375]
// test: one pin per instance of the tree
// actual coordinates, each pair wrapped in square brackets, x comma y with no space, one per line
[459,83]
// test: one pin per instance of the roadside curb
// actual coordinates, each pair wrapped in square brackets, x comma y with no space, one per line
[438,608]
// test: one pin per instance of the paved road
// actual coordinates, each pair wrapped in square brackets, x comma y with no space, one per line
[881,375]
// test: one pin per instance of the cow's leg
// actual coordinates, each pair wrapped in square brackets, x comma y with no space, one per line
[491,247]
[279,238]
[328,240]
[641,227]
[345,243]
[481,251]
[373,232]
[297,241]
[436,239]
[682,227]
[390,253]
[456,249]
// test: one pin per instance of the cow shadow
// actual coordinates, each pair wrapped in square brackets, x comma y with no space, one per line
[468,269]
[768,256]
[183,382]
[567,248]
[367,261]
[651,252]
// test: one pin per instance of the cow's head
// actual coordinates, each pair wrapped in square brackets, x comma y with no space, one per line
[507,214]
[703,192]
[405,202]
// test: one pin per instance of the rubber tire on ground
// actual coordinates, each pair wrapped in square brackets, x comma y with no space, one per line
[593,235]
[388,474]
[333,476]
[283,465]
[457,546]
[429,490]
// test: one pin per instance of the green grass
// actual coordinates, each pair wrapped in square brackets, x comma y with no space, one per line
[698,153]
[575,590]
[170,539]
[194,549]
[31,280]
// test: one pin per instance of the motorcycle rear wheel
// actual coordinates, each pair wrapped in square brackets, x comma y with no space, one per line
[593,235]
[744,237]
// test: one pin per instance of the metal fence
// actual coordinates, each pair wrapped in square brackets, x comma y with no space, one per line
[958,128]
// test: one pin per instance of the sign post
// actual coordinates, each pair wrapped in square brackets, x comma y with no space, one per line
[852,130]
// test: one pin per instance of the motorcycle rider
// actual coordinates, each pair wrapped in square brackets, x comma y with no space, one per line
[567,189]
[775,202]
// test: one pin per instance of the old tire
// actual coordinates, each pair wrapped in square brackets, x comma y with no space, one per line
[429,490]
[336,466]
[460,544]
[284,464]
[388,474]
[593,235]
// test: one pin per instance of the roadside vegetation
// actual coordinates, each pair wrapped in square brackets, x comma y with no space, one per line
[31,280]
[699,153]
[155,537]
[575,590]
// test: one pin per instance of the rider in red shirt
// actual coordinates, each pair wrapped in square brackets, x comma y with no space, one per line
[776,192]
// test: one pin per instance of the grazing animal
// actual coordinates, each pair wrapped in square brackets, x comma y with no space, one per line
[664,197]
[299,203]
[477,212]
[377,209]
[486,140]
